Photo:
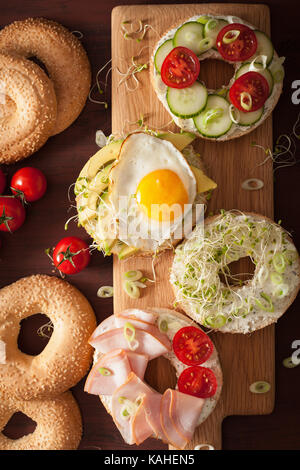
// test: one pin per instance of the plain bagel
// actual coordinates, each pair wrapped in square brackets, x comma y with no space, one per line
[63,56]
[59,425]
[66,357]
[27,108]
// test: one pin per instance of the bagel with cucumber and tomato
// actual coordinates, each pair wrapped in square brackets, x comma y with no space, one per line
[239,106]
[137,194]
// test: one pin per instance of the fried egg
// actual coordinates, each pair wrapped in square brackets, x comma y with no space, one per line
[151,190]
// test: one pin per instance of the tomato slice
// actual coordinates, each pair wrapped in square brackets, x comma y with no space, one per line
[236,42]
[181,68]
[198,381]
[192,346]
[253,84]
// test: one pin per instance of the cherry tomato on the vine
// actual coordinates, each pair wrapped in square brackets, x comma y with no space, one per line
[30,182]
[71,255]
[12,214]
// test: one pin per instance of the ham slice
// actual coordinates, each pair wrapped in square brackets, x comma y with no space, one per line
[108,324]
[141,325]
[119,364]
[136,314]
[134,428]
[179,415]
[145,343]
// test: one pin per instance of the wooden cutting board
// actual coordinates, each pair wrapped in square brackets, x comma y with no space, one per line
[245,359]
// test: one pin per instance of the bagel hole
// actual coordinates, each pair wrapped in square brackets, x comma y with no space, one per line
[240,272]
[35,332]
[215,73]
[158,380]
[40,64]
[19,425]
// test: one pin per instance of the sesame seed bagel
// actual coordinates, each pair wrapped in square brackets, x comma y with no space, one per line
[236,307]
[59,425]
[27,108]
[63,56]
[66,357]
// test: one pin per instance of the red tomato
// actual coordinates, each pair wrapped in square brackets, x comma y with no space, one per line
[71,255]
[180,68]
[236,42]
[198,381]
[192,346]
[254,84]
[29,181]
[2,181]
[12,214]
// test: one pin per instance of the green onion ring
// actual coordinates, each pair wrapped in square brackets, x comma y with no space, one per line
[105,292]
[260,387]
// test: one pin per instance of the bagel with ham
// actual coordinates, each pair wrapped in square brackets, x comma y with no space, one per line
[124,344]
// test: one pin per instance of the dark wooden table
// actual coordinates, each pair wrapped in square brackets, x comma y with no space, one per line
[62,157]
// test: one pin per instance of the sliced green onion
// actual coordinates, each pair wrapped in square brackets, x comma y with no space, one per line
[267,308]
[163,325]
[105,291]
[276,278]
[246,101]
[263,274]
[212,114]
[282,290]
[140,284]
[131,289]
[216,321]
[234,114]
[130,338]
[211,24]
[241,312]
[231,36]
[289,363]
[261,65]
[121,399]
[260,387]
[205,44]
[104,371]
[203,19]
[252,184]
[133,275]
[279,263]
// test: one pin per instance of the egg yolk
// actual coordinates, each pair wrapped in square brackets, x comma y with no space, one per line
[162,195]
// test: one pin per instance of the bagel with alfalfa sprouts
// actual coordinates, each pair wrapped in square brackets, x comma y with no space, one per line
[124,344]
[236,307]
[239,106]
[63,56]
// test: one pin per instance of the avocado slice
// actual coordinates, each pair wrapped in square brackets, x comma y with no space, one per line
[204,183]
[126,251]
[179,140]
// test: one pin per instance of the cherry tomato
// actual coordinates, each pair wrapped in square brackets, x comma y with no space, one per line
[71,255]
[236,42]
[2,181]
[12,214]
[252,83]
[198,381]
[180,68]
[192,346]
[29,181]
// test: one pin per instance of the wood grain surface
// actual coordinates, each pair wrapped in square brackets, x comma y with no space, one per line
[244,359]
[61,159]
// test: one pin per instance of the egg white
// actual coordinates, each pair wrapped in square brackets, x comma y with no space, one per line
[140,155]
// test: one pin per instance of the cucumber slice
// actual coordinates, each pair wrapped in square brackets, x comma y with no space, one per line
[264,46]
[189,35]
[247,119]
[264,72]
[217,126]
[187,102]
[212,32]
[161,53]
